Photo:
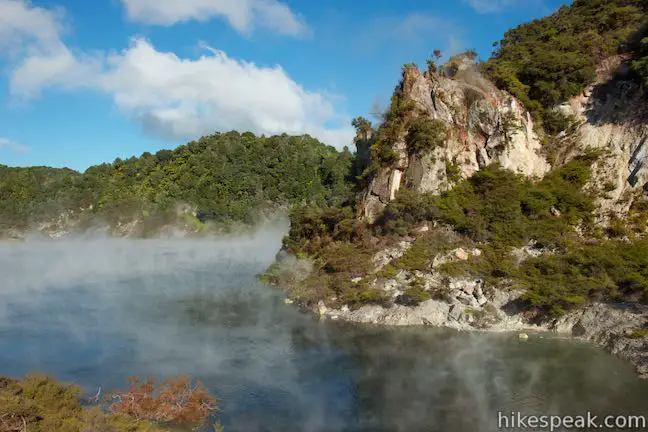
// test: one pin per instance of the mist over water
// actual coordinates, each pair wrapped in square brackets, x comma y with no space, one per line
[95,311]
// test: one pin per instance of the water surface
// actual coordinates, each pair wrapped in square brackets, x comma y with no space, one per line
[96,311]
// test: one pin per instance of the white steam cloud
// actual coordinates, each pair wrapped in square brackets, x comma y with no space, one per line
[96,311]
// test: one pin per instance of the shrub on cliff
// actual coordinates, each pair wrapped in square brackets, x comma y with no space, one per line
[402,214]
[425,134]
[414,294]
[312,228]
[420,255]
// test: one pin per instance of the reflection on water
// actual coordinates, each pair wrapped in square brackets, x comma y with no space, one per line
[94,312]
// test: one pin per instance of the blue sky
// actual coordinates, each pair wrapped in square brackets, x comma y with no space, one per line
[84,82]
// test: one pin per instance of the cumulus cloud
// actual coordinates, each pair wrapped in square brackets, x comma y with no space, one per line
[31,37]
[169,96]
[7,144]
[179,97]
[243,15]
[20,23]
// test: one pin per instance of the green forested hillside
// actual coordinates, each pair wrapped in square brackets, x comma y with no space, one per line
[224,177]
[550,59]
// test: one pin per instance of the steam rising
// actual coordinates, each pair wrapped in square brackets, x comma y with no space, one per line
[95,311]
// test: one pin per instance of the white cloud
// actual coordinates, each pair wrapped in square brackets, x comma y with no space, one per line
[488,6]
[7,144]
[168,95]
[22,24]
[31,38]
[243,15]
[183,97]
[57,68]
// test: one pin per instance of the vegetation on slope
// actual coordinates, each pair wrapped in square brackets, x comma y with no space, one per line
[224,177]
[500,207]
[494,210]
[548,60]
[639,64]
[497,210]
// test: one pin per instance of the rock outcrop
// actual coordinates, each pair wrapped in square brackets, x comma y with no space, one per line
[612,115]
[488,125]
[485,125]
[470,304]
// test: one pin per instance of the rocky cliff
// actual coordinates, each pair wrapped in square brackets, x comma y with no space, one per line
[611,115]
[561,273]
[488,125]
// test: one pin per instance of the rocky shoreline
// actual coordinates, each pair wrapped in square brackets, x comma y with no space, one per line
[611,327]
[472,305]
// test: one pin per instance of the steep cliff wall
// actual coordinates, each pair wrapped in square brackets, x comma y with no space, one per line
[612,115]
[487,125]
[484,125]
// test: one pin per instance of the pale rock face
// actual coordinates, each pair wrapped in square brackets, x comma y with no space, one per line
[385,256]
[611,327]
[394,183]
[427,172]
[613,117]
[486,125]
[457,254]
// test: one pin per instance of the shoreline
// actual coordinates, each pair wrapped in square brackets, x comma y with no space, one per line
[609,327]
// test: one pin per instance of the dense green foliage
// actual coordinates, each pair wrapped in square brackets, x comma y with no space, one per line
[224,177]
[500,207]
[551,59]
[425,134]
[414,294]
[639,62]
[604,270]
[338,244]
[36,192]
